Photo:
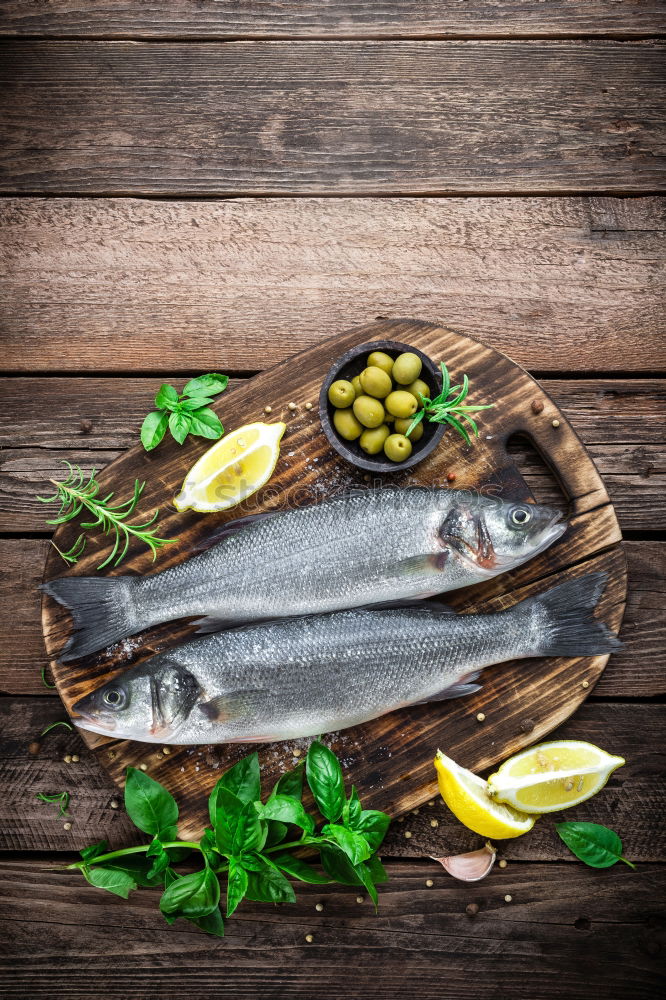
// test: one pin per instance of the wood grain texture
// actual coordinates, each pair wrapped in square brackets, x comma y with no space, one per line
[546,695]
[633,803]
[329,18]
[637,671]
[569,932]
[559,284]
[347,118]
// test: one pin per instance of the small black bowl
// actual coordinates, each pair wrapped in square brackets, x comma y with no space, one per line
[353,363]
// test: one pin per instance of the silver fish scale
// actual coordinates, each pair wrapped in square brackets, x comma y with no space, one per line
[312,675]
[302,561]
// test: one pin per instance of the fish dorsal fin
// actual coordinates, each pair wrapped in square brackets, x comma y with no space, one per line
[233,527]
[234,704]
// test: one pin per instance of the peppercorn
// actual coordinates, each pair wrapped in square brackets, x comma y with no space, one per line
[34,747]
[480,717]
[536,405]
[451,477]
[472,909]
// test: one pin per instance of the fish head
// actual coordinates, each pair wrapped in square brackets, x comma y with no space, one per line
[148,702]
[492,536]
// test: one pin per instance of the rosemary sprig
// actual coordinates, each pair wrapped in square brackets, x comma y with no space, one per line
[442,408]
[77,494]
[60,799]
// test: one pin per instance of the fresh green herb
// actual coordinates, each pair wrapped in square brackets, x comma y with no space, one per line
[76,494]
[53,725]
[249,844]
[447,407]
[44,680]
[592,843]
[61,799]
[186,414]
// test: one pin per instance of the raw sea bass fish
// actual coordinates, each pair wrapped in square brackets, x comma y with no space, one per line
[353,550]
[304,676]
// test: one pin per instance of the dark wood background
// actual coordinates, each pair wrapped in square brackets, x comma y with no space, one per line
[193,186]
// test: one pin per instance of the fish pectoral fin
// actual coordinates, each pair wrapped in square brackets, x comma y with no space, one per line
[425,563]
[413,603]
[234,704]
[210,624]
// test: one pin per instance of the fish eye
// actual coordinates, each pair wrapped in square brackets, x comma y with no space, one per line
[520,516]
[114,698]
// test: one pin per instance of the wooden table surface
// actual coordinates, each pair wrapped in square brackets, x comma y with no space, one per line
[195,186]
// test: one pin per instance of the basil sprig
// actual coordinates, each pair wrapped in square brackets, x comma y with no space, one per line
[187,413]
[247,852]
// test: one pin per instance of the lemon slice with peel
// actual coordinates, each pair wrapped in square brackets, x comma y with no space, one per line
[466,796]
[234,468]
[552,776]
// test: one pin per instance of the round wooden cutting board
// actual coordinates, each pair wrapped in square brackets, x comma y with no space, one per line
[389,759]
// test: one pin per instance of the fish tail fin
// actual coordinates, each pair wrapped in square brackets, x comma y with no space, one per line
[566,622]
[101,609]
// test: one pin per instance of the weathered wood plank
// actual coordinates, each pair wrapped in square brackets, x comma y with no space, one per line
[105,413]
[633,802]
[636,671]
[568,932]
[559,284]
[352,118]
[330,18]
[626,469]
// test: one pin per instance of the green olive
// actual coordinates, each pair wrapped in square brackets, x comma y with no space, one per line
[378,359]
[418,386]
[375,382]
[400,403]
[372,441]
[402,426]
[341,393]
[369,411]
[397,447]
[346,424]
[356,382]
[407,368]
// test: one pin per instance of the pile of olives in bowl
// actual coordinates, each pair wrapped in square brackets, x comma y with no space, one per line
[370,401]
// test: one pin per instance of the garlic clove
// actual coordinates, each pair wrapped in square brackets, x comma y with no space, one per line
[470,867]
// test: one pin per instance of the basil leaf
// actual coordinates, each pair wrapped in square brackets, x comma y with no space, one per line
[88,853]
[288,810]
[366,878]
[252,862]
[351,810]
[276,833]
[250,833]
[162,859]
[207,845]
[236,885]
[243,780]
[354,845]
[192,896]
[291,783]
[377,870]
[592,843]
[188,405]
[269,886]
[299,869]
[118,882]
[228,809]
[166,398]
[149,805]
[179,425]
[211,924]
[324,776]
[373,825]
[336,864]
[136,866]
[206,385]
[153,429]
[206,423]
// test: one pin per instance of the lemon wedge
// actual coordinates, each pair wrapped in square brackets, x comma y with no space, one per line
[466,796]
[552,776]
[233,469]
